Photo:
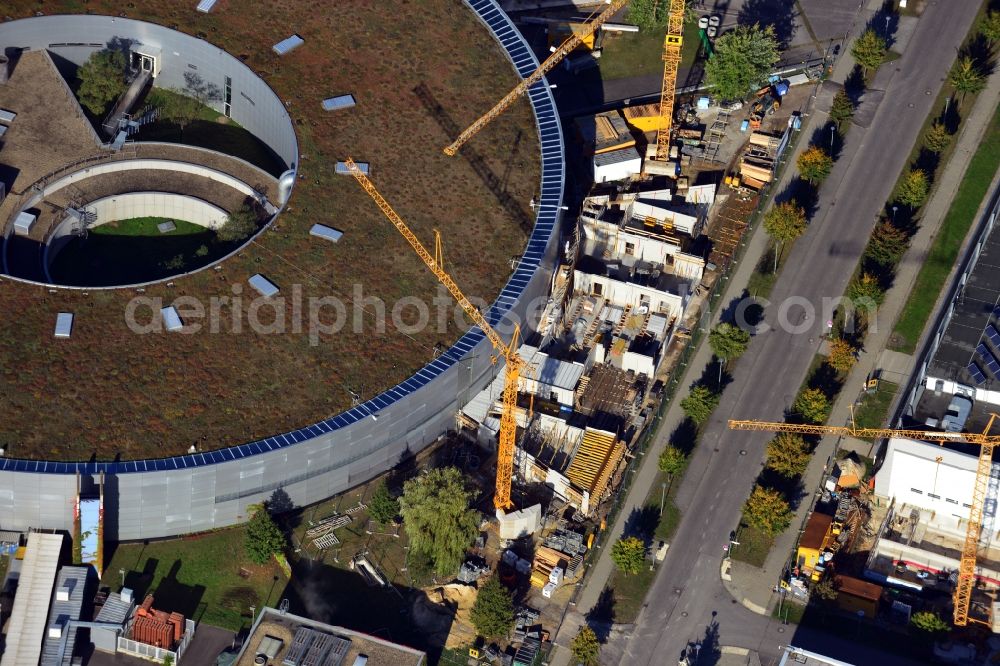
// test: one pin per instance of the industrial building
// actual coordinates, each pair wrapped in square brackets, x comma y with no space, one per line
[283,638]
[323,458]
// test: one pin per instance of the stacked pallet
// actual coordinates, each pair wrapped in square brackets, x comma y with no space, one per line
[546,559]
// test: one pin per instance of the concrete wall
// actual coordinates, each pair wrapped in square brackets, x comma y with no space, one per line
[627,293]
[164,497]
[74,38]
[157,204]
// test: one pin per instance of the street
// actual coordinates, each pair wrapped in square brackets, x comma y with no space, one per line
[687,590]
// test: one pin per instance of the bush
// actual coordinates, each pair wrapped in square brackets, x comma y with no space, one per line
[812,405]
[263,537]
[629,554]
[493,612]
[767,511]
[699,404]
[383,507]
[814,164]
[240,225]
[928,622]
[102,80]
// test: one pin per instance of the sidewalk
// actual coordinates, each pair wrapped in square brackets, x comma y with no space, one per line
[753,586]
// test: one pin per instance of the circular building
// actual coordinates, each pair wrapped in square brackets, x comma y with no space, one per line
[189,383]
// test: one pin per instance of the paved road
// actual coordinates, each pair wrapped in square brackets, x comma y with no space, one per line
[687,589]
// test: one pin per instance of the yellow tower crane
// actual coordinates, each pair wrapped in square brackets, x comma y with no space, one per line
[671,61]
[985,441]
[508,351]
[563,50]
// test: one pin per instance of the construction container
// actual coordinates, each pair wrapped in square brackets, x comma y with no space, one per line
[556,576]
[548,589]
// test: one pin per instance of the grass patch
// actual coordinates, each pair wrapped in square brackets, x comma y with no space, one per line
[638,54]
[630,593]
[874,407]
[129,251]
[944,250]
[753,547]
[789,611]
[205,577]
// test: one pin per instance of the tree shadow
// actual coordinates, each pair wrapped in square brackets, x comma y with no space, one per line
[854,85]
[885,23]
[601,615]
[141,581]
[173,596]
[641,523]
[779,14]
[705,651]
[982,54]
[685,436]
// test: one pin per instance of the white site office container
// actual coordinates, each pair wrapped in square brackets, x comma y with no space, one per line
[339,102]
[325,232]
[264,287]
[171,320]
[64,324]
[286,45]
[23,223]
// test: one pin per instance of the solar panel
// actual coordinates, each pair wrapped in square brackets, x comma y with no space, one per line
[989,359]
[286,45]
[976,374]
[993,336]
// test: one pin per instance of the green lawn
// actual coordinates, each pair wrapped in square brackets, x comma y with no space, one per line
[630,593]
[788,611]
[130,251]
[943,253]
[639,54]
[753,547]
[874,407]
[205,577]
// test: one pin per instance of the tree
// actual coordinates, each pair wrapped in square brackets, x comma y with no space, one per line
[812,405]
[239,226]
[966,77]
[928,622]
[585,647]
[842,110]
[493,612]
[383,507]
[842,355]
[742,62]
[648,14]
[437,517]
[699,403]
[672,461]
[937,137]
[887,244]
[628,554]
[784,222]
[263,537]
[869,51]
[825,590]
[767,511]
[728,342]
[102,80]
[814,164]
[866,290]
[912,191]
[788,454]
[989,26]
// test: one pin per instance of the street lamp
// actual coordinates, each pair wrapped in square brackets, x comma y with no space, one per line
[894,209]
[122,572]
[663,493]
[887,19]
[833,129]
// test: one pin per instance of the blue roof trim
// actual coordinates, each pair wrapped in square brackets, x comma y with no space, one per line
[547,208]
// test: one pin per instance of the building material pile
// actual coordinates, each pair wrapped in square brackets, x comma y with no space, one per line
[758,160]
[546,559]
[155,627]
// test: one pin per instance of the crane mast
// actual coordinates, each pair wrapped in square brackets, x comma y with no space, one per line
[671,61]
[508,351]
[521,88]
[986,442]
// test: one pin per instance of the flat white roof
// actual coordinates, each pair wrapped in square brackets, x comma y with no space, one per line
[265,287]
[171,320]
[7,116]
[23,222]
[343,170]
[286,45]
[205,6]
[323,231]
[64,324]
[26,628]
[338,102]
